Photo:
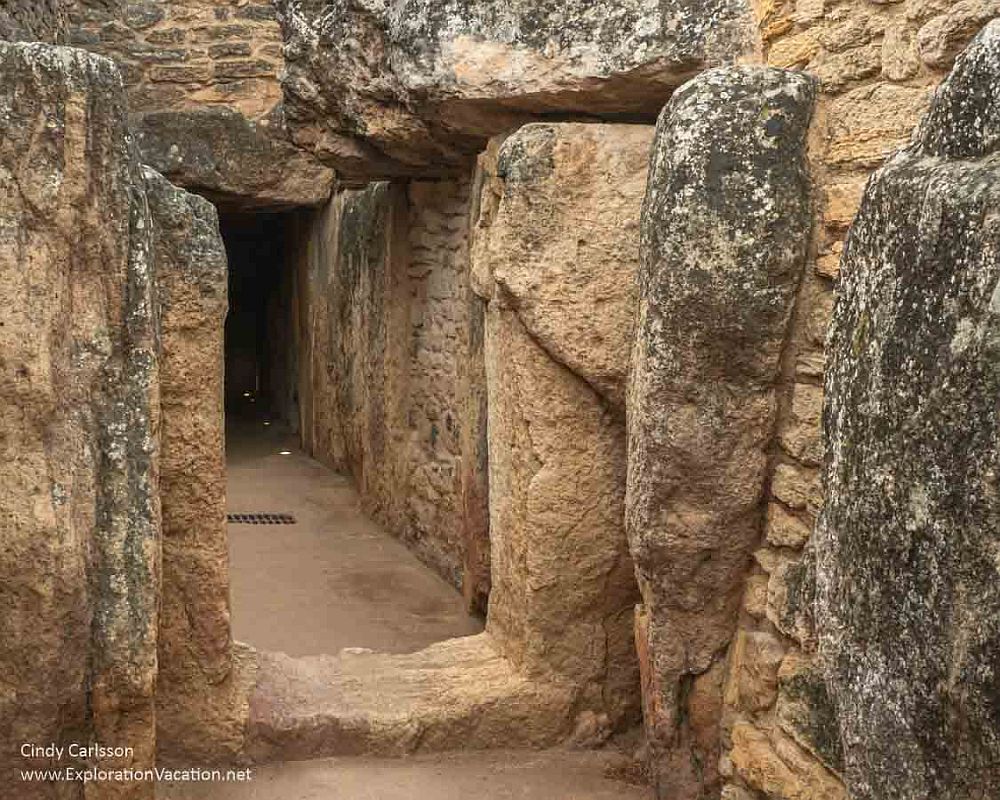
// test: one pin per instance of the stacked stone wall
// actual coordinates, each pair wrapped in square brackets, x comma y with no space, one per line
[182,54]
[32,20]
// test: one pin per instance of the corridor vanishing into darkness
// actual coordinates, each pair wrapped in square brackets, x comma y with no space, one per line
[335,578]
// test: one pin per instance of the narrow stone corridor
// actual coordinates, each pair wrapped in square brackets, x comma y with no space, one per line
[334,579]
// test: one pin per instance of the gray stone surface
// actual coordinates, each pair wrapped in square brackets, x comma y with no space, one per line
[725,229]
[236,162]
[32,20]
[415,87]
[908,593]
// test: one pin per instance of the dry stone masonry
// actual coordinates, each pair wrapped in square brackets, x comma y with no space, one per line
[203,90]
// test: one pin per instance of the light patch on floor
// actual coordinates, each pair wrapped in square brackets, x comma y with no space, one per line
[335,579]
[489,775]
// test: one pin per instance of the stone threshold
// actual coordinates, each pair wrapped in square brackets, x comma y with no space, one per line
[459,693]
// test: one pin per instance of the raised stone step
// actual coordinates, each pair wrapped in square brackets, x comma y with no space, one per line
[454,694]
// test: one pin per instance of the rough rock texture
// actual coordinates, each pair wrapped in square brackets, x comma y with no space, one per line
[201,691]
[184,54]
[457,694]
[414,87]
[876,62]
[32,20]
[555,253]
[907,588]
[235,162]
[80,555]
[204,94]
[385,365]
[725,230]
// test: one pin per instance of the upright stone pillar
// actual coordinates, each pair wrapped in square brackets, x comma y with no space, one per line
[555,251]
[725,229]
[79,507]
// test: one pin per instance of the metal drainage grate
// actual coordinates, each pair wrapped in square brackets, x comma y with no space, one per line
[261,519]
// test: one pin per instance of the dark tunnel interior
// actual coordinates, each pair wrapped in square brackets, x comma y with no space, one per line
[260,355]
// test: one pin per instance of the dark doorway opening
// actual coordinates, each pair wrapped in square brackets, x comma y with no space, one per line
[261,382]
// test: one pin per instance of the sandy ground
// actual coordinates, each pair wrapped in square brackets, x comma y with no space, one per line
[336,579]
[493,775]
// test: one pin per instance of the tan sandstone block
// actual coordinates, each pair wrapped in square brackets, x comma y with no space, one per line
[839,71]
[842,201]
[923,10]
[800,431]
[784,529]
[944,37]
[777,767]
[807,11]
[755,597]
[797,487]
[794,51]
[772,18]
[900,61]
[752,684]
[828,264]
[854,31]
[868,123]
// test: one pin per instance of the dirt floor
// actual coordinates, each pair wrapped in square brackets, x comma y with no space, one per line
[492,775]
[333,580]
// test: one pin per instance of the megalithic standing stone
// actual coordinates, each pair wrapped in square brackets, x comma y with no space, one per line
[725,230]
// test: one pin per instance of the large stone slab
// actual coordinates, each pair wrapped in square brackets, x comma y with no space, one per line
[79,540]
[238,163]
[909,601]
[415,87]
[725,229]
[459,694]
[555,251]
[202,689]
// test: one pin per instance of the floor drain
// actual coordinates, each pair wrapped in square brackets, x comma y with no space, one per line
[261,519]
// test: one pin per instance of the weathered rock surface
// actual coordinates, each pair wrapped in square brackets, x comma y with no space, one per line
[907,570]
[458,694]
[32,20]
[389,376]
[79,564]
[558,241]
[201,691]
[725,229]
[555,252]
[414,87]
[236,162]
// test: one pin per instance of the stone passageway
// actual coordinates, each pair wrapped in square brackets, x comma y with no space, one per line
[334,579]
